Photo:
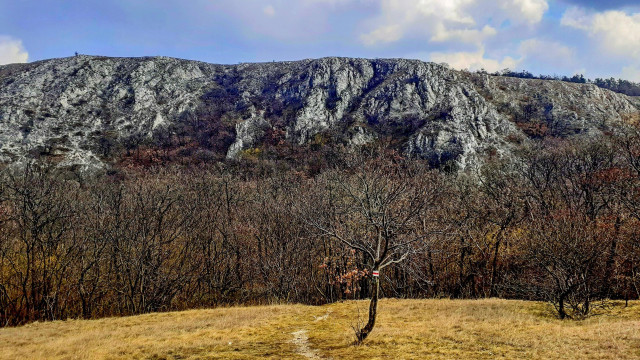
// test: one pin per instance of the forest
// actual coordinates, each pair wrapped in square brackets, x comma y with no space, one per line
[558,222]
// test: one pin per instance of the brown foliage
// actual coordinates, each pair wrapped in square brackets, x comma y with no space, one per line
[559,224]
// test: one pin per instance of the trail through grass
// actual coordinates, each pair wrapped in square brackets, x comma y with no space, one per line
[406,329]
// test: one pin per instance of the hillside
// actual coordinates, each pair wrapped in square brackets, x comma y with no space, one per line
[89,111]
[408,329]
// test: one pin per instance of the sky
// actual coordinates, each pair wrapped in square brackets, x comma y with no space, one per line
[597,38]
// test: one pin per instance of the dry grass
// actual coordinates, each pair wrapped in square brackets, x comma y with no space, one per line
[407,329]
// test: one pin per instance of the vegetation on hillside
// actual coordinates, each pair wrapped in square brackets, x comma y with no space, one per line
[558,223]
[616,85]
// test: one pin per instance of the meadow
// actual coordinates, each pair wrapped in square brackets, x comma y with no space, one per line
[406,329]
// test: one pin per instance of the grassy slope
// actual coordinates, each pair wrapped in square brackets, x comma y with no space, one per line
[425,329]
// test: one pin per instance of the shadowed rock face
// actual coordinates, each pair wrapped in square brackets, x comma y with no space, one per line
[66,107]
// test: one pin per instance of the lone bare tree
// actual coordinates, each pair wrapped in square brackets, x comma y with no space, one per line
[378,210]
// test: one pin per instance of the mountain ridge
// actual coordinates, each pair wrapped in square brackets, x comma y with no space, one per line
[69,108]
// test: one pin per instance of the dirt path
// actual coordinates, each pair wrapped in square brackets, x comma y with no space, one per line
[323,317]
[301,341]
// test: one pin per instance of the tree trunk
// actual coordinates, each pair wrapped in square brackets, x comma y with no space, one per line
[561,312]
[373,309]
[494,264]
[611,260]
[626,299]
[461,278]
[586,307]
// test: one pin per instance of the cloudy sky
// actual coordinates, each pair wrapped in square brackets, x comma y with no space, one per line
[599,38]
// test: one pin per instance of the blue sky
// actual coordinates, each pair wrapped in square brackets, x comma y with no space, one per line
[595,37]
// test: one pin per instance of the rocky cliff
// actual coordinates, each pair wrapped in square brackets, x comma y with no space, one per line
[72,108]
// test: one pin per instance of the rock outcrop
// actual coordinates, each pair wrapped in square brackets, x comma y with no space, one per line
[66,108]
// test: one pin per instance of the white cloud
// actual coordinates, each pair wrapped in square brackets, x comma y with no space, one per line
[616,35]
[617,32]
[462,35]
[528,11]
[620,32]
[269,10]
[418,17]
[552,53]
[535,50]
[465,21]
[631,73]
[474,61]
[282,20]
[385,34]
[12,51]
[576,17]
[330,2]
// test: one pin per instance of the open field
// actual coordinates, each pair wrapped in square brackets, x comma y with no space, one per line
[406,329]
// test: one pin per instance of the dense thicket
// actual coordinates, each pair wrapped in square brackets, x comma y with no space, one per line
[559,223]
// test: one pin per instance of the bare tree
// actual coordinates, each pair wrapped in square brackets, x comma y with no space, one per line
[628,193]
[379,211]
[501,207]
[41,244]
[573,225]
[220,236]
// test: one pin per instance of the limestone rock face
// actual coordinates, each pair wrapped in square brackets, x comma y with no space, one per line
[67,107]
[64,106]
